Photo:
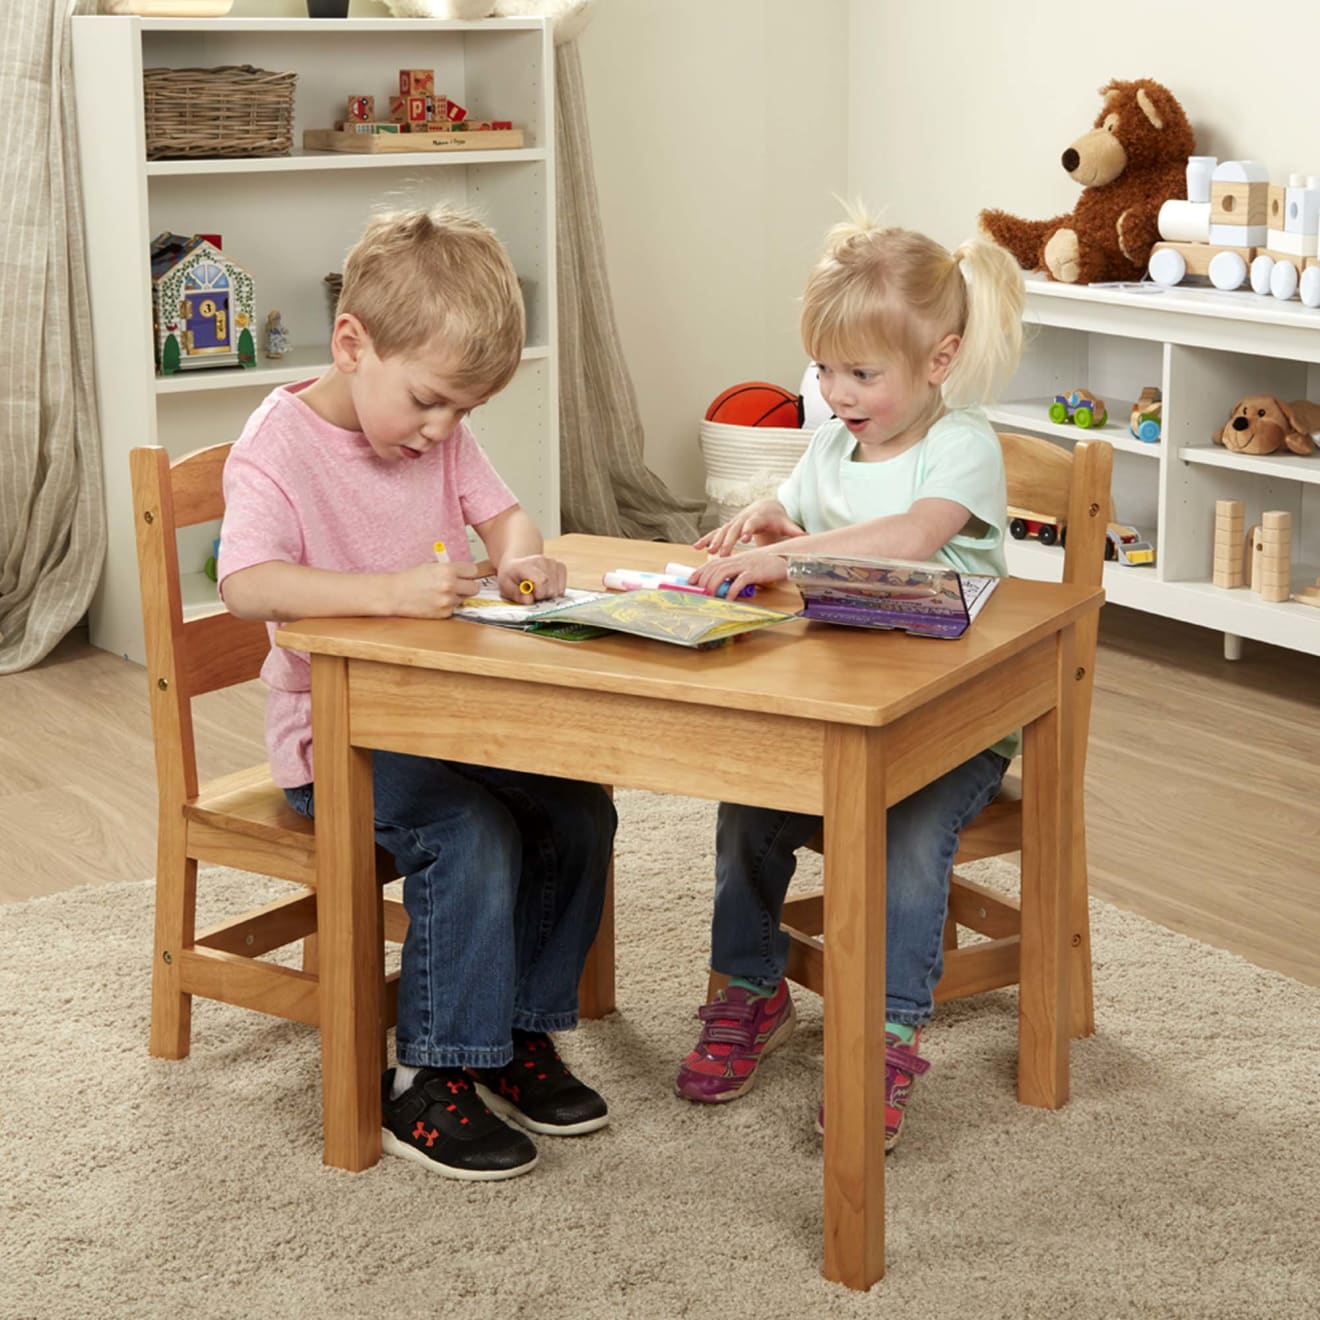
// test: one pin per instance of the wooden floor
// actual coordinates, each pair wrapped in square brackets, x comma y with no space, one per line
[1204,811]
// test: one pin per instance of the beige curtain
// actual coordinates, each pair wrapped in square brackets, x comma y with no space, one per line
[606,487]
[52,519]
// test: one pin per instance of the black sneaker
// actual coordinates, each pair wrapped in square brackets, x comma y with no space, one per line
[538,1092]
[441,1123]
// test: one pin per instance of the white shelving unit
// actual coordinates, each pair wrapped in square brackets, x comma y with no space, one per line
[1206,350]
[289,220]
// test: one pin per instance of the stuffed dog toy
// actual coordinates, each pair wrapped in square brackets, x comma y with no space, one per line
[1132,161]
[1262,424]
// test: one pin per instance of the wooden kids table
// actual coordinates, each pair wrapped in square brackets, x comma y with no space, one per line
[803,717]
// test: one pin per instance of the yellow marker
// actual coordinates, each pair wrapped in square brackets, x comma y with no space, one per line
[526,586]
[441,554]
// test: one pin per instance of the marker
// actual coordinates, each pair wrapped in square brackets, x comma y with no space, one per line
[527,586]
[681,573]
[441,554]
[683,586]
[631,579]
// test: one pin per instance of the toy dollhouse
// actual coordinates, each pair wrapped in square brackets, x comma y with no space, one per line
[202,306]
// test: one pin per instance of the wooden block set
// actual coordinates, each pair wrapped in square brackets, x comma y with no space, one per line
[416,109]
[1228,543]
[1263,560]
[1242,227]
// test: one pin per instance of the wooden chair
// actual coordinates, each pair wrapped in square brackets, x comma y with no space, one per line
[1074,489]
[241,820]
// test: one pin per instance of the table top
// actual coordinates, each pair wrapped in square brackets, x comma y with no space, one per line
[808,670]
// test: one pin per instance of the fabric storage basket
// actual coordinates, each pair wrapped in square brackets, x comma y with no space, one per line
[746,463]
[234,110]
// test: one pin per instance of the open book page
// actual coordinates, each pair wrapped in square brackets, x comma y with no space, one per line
[976,591]
[488,606]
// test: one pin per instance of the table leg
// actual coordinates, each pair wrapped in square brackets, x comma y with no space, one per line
[1049,750]
[348,923]
[854,924]
[596,988]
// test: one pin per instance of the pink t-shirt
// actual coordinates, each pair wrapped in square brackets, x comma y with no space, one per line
[300,490]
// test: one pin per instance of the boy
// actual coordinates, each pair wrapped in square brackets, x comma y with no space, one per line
[335,495]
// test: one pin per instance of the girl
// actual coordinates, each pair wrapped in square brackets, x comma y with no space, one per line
[908,338]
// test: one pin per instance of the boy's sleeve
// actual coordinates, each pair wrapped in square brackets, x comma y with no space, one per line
[966,465]
[260,523]
[482,493]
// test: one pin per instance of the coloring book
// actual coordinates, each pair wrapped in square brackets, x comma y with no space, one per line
[926,599]
[684,618]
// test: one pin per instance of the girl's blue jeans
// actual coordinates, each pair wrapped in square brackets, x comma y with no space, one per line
[755,860]
[504,880]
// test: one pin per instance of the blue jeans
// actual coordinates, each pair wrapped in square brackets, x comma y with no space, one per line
[504,880]
[755,859]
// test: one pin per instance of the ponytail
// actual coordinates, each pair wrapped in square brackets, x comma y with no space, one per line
[992,335]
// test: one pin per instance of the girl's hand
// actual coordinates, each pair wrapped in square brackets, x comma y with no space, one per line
[752,568]
[762,523]
[548,578]
[433,591]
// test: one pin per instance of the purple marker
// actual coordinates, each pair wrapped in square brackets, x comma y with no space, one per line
[684,572]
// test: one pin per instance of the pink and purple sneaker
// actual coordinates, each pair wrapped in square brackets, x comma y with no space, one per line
[738,1030]
[903,1065]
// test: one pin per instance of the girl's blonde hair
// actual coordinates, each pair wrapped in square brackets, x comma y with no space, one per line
[887,292]
[415,277]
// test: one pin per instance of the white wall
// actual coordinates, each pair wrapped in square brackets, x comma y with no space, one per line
[965,105]
[719,135]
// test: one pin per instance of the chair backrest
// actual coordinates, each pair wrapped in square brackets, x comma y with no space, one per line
[1073,488]
[184,659]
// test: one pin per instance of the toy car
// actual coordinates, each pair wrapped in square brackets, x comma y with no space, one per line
[1022,524]
[1147,415]
[1124,544]
[1081,407]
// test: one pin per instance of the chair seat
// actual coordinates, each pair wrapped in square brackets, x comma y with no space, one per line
[244,820]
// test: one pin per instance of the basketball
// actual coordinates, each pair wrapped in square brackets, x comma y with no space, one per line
[756,403]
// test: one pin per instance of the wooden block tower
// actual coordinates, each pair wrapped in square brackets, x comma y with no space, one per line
[1272,570]
[1228,543]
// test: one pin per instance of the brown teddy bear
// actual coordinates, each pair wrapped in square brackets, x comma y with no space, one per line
[1261,424]
[1131,162]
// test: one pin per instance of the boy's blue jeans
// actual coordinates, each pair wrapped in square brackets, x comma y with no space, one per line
[504,880]
[755,860]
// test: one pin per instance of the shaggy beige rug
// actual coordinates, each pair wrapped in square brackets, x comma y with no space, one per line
[1183,1180]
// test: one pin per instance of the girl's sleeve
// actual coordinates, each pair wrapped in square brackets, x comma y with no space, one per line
[965,464]
[799,487]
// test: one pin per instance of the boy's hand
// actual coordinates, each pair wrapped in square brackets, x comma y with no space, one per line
[762,523]
[548,578]
[433,591]
[752,568]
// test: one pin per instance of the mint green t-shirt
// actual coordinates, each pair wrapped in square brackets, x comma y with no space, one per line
[959,459]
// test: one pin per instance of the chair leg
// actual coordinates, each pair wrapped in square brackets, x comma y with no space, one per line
[311,955]
[1080,991]
[950,933]
[176,916]
[715,982]
[596,988]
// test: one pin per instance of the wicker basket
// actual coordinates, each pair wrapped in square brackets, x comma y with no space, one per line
[231,111]
[745,463]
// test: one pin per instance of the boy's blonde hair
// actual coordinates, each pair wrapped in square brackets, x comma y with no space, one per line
[886,292]
[418,276]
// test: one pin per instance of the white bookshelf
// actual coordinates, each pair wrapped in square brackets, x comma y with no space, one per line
[1205,349]
[289,220]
